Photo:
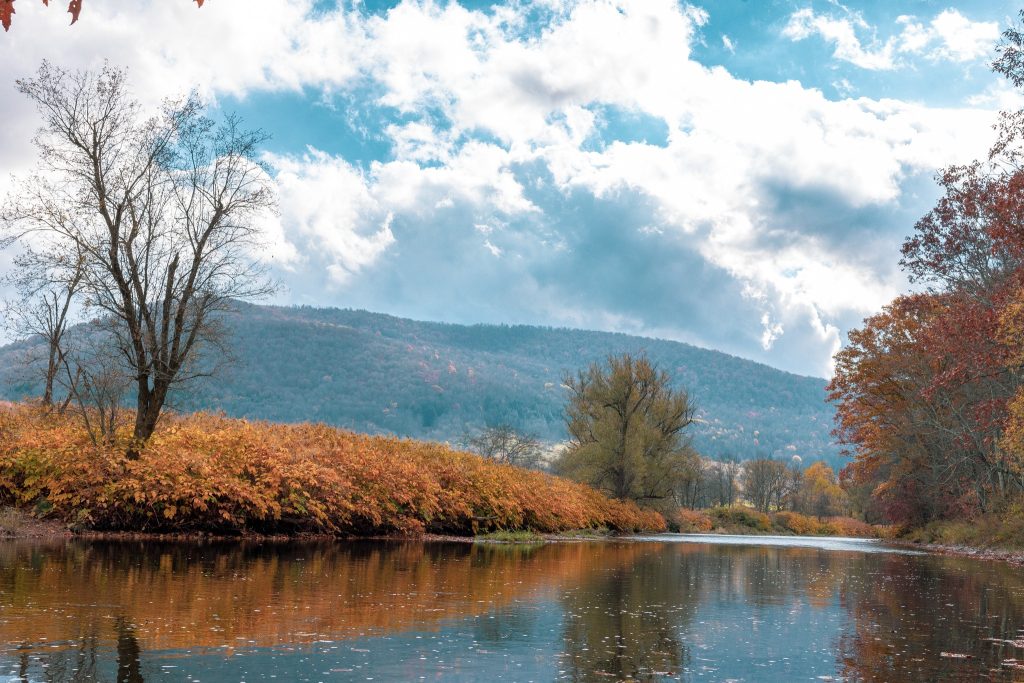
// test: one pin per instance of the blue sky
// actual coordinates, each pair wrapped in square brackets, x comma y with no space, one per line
[736,174]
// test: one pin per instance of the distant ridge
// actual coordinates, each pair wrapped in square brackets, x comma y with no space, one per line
[377,373]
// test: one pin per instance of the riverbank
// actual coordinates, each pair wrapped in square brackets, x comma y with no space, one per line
[15,523]
[19,525]
[207,474]
[1015,557]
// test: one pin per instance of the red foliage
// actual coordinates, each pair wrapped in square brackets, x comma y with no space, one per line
[923,388]
[74,8]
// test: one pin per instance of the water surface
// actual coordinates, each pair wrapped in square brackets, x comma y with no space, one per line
[663,608]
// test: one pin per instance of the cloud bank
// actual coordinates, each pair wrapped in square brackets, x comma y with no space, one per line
[560,162]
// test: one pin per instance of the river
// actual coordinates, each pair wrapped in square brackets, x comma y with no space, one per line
[666,607]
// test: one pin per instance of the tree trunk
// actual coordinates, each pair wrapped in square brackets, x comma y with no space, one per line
[149,405]
[51,374]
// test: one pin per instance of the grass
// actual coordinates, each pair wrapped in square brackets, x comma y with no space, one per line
[520,537]
[15,523]
[1002,529]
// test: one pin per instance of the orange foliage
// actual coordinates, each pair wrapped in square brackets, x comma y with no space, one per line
[210,473]
[797,523]
[692,521]
[805,525]
[848,526]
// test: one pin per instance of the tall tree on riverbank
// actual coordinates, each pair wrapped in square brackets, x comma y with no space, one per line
[164,211]
[627,427]
[929,391]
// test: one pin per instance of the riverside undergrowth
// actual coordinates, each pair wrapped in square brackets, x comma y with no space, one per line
[209,473]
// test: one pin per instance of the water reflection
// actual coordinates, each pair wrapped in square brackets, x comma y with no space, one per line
[581,612]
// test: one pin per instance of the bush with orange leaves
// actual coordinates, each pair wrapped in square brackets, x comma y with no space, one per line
[689,521]
[848,526]
[214,474]
[796,523]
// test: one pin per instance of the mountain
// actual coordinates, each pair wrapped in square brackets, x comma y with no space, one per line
[377,373]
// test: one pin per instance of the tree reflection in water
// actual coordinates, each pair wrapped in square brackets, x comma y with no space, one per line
[130,613]
[624,619]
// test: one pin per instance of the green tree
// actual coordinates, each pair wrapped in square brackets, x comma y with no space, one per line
[627,429]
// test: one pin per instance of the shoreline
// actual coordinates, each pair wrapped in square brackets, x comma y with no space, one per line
[44,531]
[1014,557]
[18,525]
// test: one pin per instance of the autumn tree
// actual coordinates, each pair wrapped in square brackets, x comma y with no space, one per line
[627,429]
[922,389]
[817,492]
[929,391]
[164,210]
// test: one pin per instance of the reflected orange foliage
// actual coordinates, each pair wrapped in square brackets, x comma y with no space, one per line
[184,596]
[210,473]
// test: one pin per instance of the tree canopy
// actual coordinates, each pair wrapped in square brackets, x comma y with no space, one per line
[163,212]
[627,429]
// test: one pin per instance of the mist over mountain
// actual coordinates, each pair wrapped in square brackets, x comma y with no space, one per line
[377,373]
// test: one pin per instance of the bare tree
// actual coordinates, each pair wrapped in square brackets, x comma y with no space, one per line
[94,376]
[765,483]
[727,473]
[164,210]
[46,284]
[504,444]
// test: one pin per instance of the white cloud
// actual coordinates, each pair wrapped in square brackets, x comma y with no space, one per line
[495,251]
[327,208]
[485,95]
[772,331]
[948,36]
[843,34]
[728,44]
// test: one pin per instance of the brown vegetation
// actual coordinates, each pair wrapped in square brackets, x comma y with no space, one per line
[210,473]
[739,519]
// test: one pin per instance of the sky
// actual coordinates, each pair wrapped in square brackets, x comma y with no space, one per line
[736,174]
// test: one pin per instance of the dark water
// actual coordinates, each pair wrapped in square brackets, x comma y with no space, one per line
[658,609]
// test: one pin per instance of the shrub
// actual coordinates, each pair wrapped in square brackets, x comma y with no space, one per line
[848,526]
[796,523]
[691,521]
[211,473]
[740,516]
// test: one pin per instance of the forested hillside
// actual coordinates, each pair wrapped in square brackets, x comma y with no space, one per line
[376,373]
